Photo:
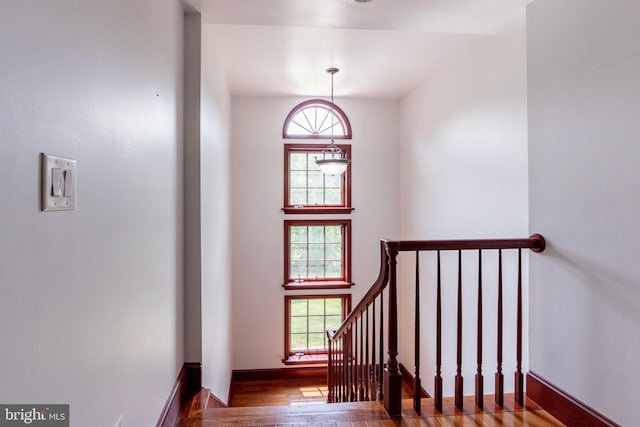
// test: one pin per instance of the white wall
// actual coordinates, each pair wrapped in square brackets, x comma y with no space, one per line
[464,175]
[91,299]
[584,63]
[216,223]
[256,200]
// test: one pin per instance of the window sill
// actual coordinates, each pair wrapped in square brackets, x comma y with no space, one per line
[307,359]
[317,284]
[317,210]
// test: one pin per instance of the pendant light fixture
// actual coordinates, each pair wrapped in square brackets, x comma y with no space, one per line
[333,161]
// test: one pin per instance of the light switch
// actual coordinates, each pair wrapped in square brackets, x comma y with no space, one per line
[59,177]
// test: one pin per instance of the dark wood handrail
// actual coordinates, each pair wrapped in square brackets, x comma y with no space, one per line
[389,249]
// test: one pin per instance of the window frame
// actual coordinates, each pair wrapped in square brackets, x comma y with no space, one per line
[338,113]
[344,208]
[323,283]
[318,357]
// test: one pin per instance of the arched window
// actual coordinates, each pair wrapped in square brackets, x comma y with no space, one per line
[317,119]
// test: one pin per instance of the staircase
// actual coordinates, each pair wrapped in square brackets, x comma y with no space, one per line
[371,413]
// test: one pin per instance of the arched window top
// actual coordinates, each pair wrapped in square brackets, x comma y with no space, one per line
[317,119]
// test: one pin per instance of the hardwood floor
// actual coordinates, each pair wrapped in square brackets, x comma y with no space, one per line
[302,403]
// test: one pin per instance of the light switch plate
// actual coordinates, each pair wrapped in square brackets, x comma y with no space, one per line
[59,176]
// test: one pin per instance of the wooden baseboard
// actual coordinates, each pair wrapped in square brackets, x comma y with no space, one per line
[562,405]
[279,374]
[411,380]
[214,402]
[187,384]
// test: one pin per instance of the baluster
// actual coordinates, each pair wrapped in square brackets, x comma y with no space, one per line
[352,379]
[373,352]
[329,369]
[519,382]
[361,365]
[345,366]
[381,351]
[366,360]
[499,376]
[459,380]
[438,379]
[417,384]
[479,378]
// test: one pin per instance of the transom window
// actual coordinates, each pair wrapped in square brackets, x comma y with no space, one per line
[317,254]
[308,317]
[308,188]
[317,118]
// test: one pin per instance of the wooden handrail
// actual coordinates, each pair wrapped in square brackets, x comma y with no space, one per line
[347,348]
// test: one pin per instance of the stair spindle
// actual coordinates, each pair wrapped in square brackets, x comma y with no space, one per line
[499,393]
[438,378]
[459,392]
[519,380]
[479,377]
[417,392]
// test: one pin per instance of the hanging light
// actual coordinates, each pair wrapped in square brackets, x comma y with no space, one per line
[333,161]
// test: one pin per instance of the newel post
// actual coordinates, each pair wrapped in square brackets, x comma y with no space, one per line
[392,377]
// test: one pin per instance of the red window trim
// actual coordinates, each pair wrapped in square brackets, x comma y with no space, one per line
[316,357]
[323,283]
[342,117]
[322,209]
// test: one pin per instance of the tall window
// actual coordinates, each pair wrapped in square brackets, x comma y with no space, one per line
[307,188]
[317,119]
[307,319]
[317,254]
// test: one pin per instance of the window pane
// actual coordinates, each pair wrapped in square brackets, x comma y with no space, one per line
[298,342]
[333,181]
[298,324]
[297,196]
[316,324]
[333,251]
[316,252]
[315,196]
[299,252]
[316,179]
[298,161]
[316,269]
[316,234]
[316,306]
[333,234]
[334,306]
[311,161]
[298,179]
[298,270]
[316,341]
[333,322]
[298,234]
[333,269]
[333,197]
[299,307]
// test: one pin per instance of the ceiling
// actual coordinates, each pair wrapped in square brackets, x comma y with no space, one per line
[384,48]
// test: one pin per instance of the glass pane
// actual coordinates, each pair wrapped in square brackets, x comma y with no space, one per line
[333,269]
[334,306]
[316,323]
[333,251]
[333,181]
[298,179]
[316,306]
[298,307]
[316,234]
[333,322]
[298,161]
[316,269]
[298,234]
[316,341]
[316,179]
[333,196]
[298,324]
[298,196]
[299,252]
[311,160]
[298,342]
[298,270]
[316,252]
[316,196]
[333,234]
